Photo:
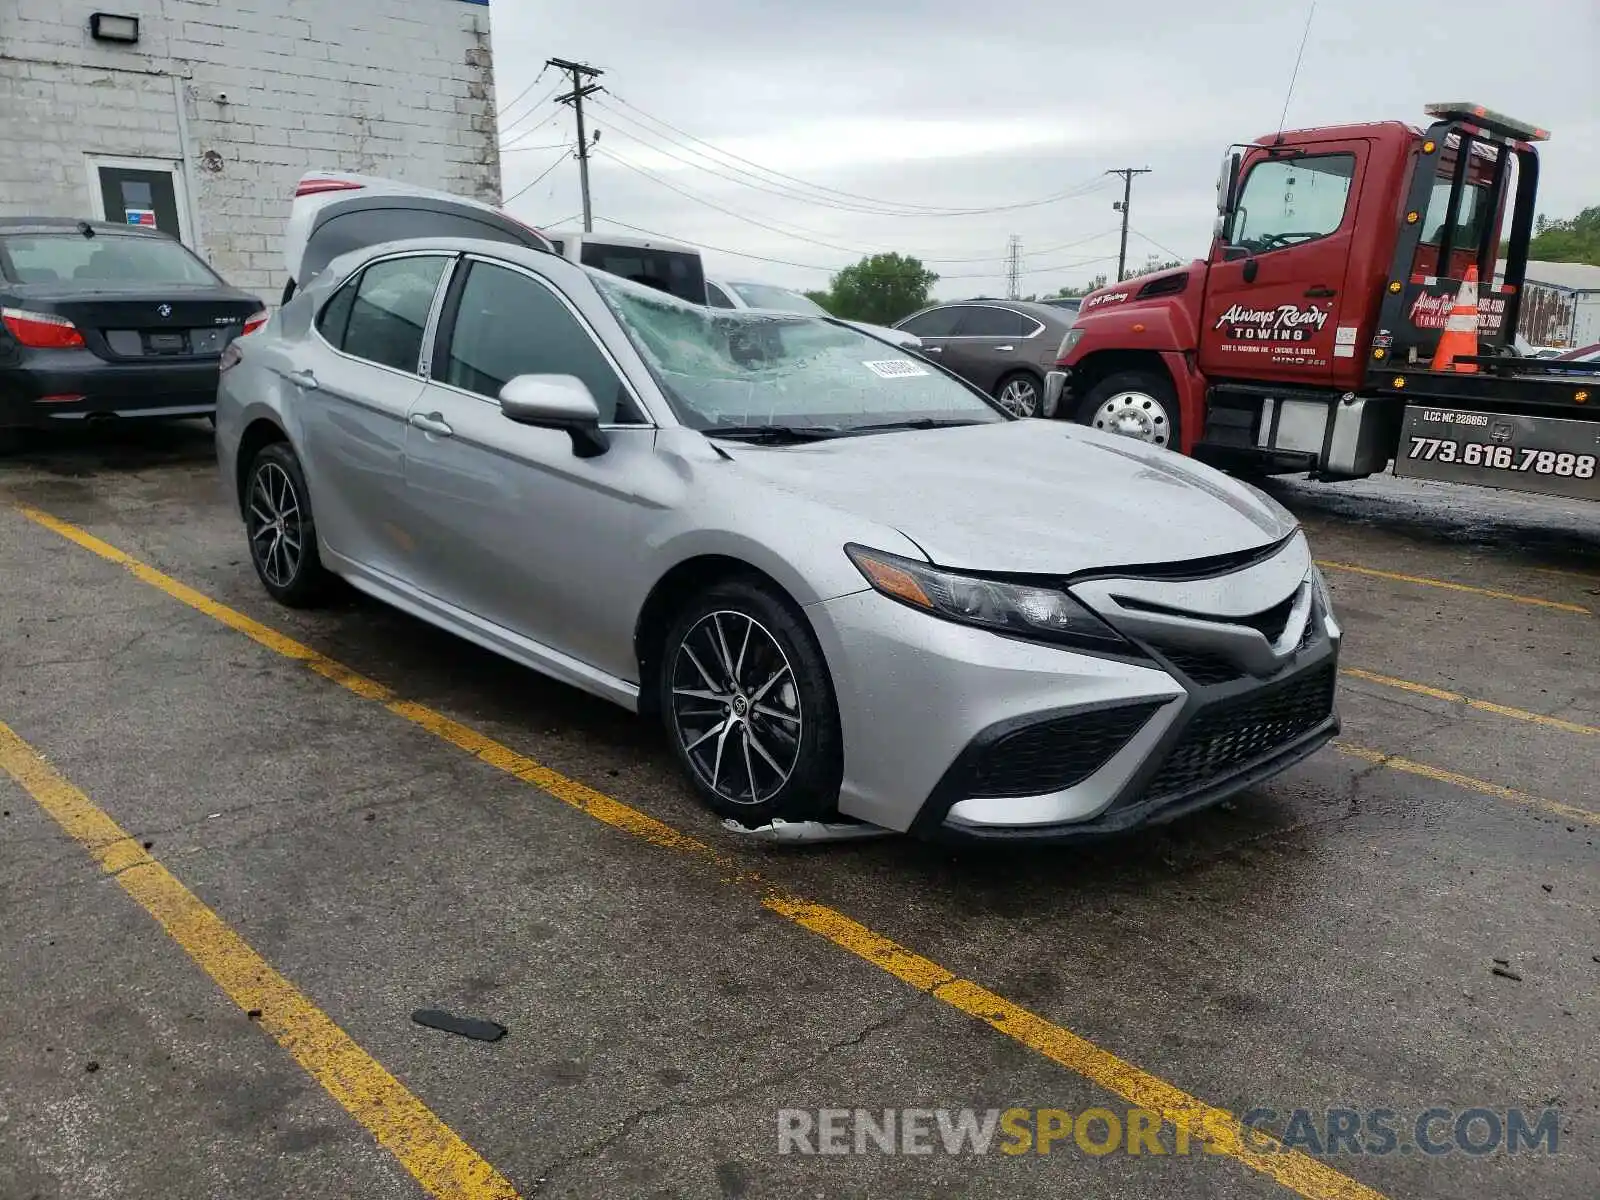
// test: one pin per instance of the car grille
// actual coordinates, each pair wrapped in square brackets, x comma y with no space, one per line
[1226,736]
[1201,666]
[1057,753]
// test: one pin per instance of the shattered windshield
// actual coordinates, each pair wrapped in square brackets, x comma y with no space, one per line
[725,368]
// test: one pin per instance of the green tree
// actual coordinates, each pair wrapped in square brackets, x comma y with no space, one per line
[823,298]
[880,289]
[1575,240]
[1099,281]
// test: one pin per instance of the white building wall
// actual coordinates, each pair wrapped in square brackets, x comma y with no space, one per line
[245,97]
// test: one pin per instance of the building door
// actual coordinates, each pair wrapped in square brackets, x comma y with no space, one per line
[137,193]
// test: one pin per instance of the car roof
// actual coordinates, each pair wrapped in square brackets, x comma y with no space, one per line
[1033,308]
[70,224]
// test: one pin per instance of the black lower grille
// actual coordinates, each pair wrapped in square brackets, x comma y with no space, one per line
[1226,736]
[1201,666]
[1057,753]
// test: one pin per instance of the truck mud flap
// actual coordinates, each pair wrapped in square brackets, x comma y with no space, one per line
[1551,456]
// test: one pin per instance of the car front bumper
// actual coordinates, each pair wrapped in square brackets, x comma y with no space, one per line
[32,391]
[952,732]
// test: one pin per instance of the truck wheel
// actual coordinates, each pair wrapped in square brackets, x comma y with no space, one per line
[1137,404]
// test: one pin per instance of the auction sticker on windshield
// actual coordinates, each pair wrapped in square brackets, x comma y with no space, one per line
[897,368]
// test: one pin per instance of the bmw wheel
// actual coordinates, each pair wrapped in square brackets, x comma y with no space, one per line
[282,531]
[1137,404]
[1020,394]
[749,707]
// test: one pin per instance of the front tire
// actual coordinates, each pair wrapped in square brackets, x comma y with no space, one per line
[1142,405]
[749,707]
[282,530]
[1021,394]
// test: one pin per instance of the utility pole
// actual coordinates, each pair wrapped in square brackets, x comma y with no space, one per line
[1121,206]
[1014,268]
[580,89]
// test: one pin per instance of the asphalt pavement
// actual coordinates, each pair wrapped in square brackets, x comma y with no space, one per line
[242,845]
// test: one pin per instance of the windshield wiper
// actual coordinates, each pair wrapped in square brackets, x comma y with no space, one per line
[774,435]
[916,423]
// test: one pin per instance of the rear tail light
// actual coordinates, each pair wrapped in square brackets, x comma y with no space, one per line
[231,354]
[255,321]
[61,398]
[313,187]
[41,331]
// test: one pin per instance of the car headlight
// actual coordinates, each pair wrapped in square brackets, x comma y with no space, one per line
[1069,342]
[1022,609]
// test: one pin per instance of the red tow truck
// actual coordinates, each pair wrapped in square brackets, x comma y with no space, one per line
[1304,341]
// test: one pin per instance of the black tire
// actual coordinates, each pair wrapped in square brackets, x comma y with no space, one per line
[753,790]
[1035,408]
[1159,412]
[276,485]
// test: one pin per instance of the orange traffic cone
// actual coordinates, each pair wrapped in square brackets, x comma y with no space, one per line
[1460,336]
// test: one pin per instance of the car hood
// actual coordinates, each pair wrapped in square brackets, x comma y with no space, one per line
[1033,497]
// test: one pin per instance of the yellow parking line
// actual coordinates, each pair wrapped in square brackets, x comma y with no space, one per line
[1488,706]
[436,1158]
[1482,786]
[1217,1129]
[1398,577]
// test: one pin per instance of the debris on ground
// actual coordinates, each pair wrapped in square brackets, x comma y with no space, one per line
[472,1027]
[1507,973]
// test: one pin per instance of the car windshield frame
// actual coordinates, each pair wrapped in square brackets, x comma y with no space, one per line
[197,272]
[759,295]
[735,369]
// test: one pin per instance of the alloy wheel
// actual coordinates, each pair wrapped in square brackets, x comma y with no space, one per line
[277,532]
[736,707]
[1137,415]
[1020,397]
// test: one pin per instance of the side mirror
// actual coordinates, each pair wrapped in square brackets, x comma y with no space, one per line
[1055,382]
[556,402]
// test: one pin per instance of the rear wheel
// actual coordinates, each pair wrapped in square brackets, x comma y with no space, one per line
[281,528]
[1137,404]
[749,707]
[1020,394]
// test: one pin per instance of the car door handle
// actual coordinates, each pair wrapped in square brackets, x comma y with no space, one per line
[1319,293]
[933,349]
[1003,349]
[305,379]
[431,423]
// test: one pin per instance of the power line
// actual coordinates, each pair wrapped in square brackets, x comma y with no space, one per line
[903,209]
[806,235]
[1164,249]
[1127,174]
[537,181]
[784,262]
[509,143]
[551,146]
[503,111]
[580,72]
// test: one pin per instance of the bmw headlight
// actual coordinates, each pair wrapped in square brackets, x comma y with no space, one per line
[1022,609]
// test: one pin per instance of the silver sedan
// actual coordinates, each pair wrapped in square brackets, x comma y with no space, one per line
[856,591]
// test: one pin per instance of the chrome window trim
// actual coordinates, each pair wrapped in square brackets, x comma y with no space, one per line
[650,421]
[433,308]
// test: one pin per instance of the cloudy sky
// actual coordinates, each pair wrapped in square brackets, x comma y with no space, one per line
[787,139]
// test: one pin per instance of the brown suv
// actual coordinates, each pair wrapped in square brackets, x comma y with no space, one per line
[1004,347]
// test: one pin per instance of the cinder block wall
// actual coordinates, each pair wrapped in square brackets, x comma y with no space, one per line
[402,88]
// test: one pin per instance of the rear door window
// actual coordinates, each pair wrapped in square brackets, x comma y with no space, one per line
[386,312]
[672,271]
[982,321]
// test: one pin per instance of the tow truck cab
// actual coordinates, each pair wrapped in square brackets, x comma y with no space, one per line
[1337,255]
